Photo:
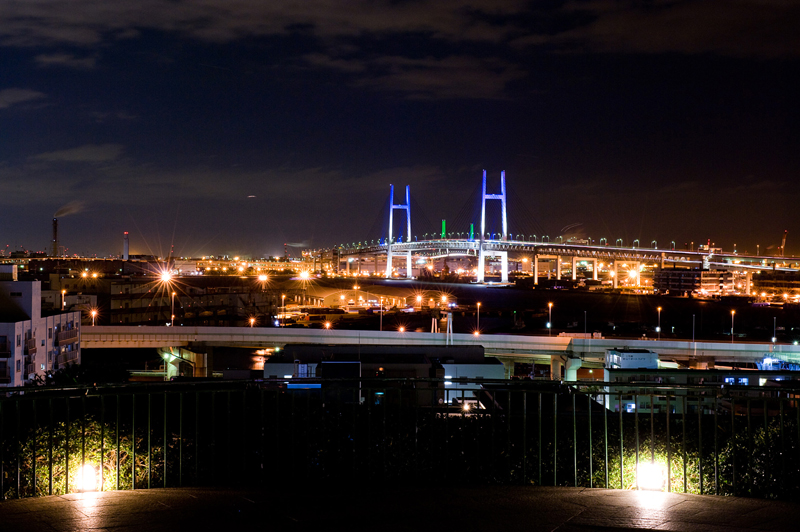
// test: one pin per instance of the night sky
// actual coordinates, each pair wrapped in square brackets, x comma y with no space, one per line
[233,126]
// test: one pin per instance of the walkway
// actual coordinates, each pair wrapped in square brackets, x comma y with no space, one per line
[314,508]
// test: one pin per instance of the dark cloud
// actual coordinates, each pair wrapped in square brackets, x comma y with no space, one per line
[88,153]
[66,61]
[15,96]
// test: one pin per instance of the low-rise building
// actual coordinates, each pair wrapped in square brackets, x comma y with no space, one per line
[33,344]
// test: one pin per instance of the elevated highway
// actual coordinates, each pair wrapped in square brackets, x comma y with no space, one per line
[541,349]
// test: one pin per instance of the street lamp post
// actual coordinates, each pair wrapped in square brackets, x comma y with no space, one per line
[172,311]
[658,329]
[381,325]
[733,312]
[478,324]
[63,300]
[252,322]
[774,328]
[549,319]
[283,308]
[94,315]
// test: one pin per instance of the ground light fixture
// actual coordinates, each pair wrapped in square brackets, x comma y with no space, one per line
[650,476]
[86,479]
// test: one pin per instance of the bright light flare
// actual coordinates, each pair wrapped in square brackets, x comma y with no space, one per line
[166,277]
[305,274]
[650,476]
[263,278]
[86,479]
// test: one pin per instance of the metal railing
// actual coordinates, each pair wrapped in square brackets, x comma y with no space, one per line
[69,356]
[30,346]
[723,440]
[67,337]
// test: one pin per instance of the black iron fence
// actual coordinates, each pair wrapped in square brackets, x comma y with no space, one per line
[725,440]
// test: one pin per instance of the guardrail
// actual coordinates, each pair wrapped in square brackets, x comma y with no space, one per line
[714,440]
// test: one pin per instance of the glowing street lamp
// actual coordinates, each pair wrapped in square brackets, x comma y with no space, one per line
[478,324]
[733,313]
[252,322]
[550,319]
[402,329]
[658,329]
[63,300]
[283,308]
[94,315]
[172,310]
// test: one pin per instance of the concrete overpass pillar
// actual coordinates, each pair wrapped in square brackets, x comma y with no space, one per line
[616,274]
[503,266]
[556,366]
[535,269]
[173,356]
[574,268]
[571,373]
[594,269]
[347,265]
[558,268]
[409,273]
[388,261]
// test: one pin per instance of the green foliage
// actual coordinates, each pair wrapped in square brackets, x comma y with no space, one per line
[81,443]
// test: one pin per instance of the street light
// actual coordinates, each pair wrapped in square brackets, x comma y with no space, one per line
[381,326]
[774,323]
[94,315]
[172,311]
[63,300]
[478,324]
[550,319]
[283,308]
[733,312]
[658,329]
[252,322]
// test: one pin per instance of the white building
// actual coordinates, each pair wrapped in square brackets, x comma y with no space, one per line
[32,344]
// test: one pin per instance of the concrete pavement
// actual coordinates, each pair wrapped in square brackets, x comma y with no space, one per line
[379,507]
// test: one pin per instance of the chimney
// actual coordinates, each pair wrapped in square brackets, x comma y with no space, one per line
[125,246]
[54,251]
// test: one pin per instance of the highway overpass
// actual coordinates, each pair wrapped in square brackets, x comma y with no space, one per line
[520,348]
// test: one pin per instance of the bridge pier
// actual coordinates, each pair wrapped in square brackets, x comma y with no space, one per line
[173,356]
[481,277]
[556,367]
[575,267]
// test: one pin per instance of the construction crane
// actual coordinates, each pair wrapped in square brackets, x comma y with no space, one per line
[783,242]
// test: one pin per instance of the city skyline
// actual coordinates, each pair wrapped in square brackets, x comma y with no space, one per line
[237,127]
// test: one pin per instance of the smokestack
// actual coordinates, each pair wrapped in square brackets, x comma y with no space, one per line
[125,246]
[55,238]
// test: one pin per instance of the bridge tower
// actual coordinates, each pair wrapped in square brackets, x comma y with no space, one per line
[407,208]
[483,253]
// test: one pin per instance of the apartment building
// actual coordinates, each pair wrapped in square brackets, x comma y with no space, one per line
[32,344]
